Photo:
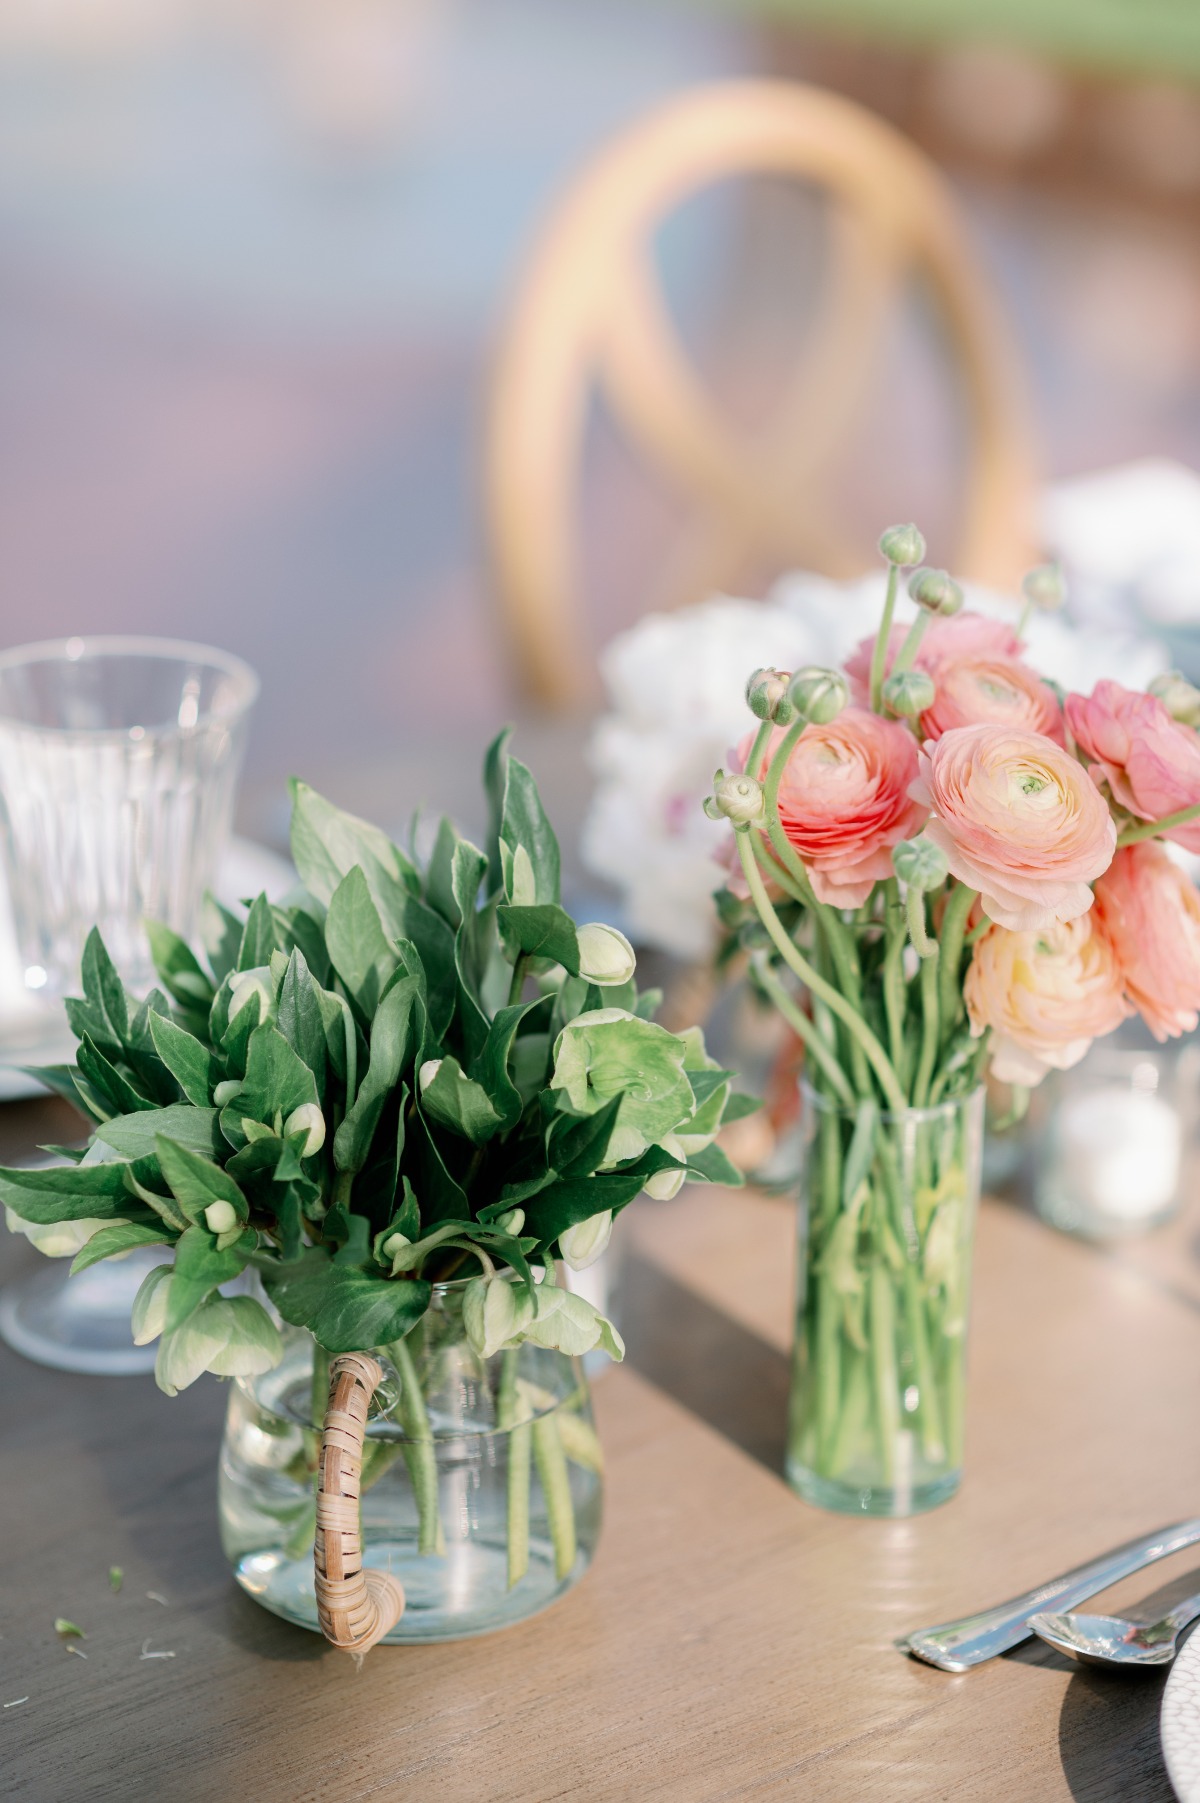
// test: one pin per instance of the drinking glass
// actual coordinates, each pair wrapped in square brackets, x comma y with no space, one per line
[119,760]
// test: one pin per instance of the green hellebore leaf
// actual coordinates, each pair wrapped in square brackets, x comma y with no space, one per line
[738,1106]
[133,1135]
[327,843]
[104,1076]
[711,1165]
[104,992]
[362,953]
[442,1199]
[120,1236]
[298,1017]
[254,1344]
[181,974]
[491,1067]
[542,930]
[524,827]
[195,1181]
[344,1307]
[454,1101]
[495,772]
[562,1204]
[230,1335]
[277,1081]
[221,932]
[258,936]
[200,1267]
[189,1062]
[577,1144]
[395,1036]
[611,1053]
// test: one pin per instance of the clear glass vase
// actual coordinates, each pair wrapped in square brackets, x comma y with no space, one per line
[481,1485]
[887,1214]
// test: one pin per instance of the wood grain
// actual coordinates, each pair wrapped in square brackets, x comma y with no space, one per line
[730,1642]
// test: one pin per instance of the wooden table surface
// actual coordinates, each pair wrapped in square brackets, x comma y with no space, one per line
[729,1642]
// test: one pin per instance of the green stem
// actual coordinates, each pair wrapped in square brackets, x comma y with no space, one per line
[923,945]
[518,979]
[828,1374]
[933,1442]
[1147,829]
[954,923]
[556,1489]
[420,1451]
[929,1030]
[854,1413]
[805,1031]
[1023,622]
[834,1001]
[883,1370]
[908,649]
[520,1447]
[894,993]
[879,652]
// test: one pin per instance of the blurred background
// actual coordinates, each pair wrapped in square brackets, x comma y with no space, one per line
[256,259]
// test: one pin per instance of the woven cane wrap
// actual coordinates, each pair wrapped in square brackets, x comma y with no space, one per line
[356,1608]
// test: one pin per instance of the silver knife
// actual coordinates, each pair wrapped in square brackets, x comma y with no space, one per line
[955,1646]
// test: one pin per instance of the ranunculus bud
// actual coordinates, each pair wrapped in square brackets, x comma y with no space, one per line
[605,956]
[936,592]
[427,1073]
[909,692]
[1044,587]
[902,545]
[220,1216]
[1180,698]
[737,798]
[225,1092]
[818,695]
[309,1120]
[584,1243]
[767,696]
[919,863]
[244,985]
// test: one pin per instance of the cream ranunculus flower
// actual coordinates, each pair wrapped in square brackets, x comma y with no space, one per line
[1046,995]
[1018,819]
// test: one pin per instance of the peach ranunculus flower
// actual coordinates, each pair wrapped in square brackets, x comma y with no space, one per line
[1019,820]
[964,635]
[1149,761]
[1150,911]
[844,801]
[976,688]
[1046,995]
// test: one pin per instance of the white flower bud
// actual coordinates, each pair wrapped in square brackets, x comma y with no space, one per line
[309,1120]
[902,545]
[919,863]
[1045,587]
[59,1239]
[427,1073]
[148,1316]
[605,955]
[393,1244]
[244,985]
[736,798]
[495,1311]
[767,696]
[220,1216]
[908,693]
[512,1222]
[818,695]
[936,592]
[225,1092]
[1178,696]
[664,1185]
[584,1243]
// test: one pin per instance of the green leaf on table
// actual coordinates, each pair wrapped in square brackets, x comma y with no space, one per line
[104,1077]
[258,936]
[134,1135]
[189,1062]
[453,1100]
[362,954]
[196,1182]
[541,931]
[529,855]
[201,1267]
[122,1236]
[178,968]
[346,1308]
[396,1034]
[299,1019]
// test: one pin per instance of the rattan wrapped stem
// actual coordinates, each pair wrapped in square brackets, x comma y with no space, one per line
[356,1608]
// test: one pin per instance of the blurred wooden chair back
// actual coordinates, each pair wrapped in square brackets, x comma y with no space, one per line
[589,316]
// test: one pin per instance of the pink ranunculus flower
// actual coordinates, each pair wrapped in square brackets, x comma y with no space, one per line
[975,689]
[945,641]
[1046,995]
[1019,820]
[844,802]
[1149,761]
[1150,911]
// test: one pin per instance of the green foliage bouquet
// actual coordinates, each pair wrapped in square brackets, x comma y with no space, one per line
[410,1071]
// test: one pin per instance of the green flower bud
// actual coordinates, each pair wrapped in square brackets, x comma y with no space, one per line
[736,798]
[309,1120]
[818,695]
[1178,696]
[148,1316]
[245,985]
[495,1311]
[584,1243]
[936,592]
[664,1185]
[1044,587]
[512,1222]
[902,545]
[919,863]
[393,1244]
[605,956]
[220,1216]
[767,696]
[225,1092]
[909,692]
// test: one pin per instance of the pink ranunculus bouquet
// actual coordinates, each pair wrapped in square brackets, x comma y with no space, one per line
[949,864]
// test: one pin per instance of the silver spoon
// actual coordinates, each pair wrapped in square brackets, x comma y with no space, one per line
[1112,1639]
